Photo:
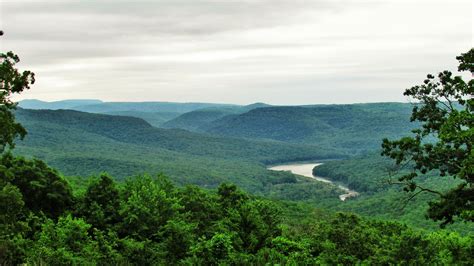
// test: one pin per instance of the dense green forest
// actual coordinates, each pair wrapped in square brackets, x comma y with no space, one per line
[156,119]
[84,144]
[371,175]
[89,136]
[200,120]
[343,129]
[351,129]
[149,221]
[197,120]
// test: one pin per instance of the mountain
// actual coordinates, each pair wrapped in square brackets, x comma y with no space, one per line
[155,113]
[355,128]
[84,144]
[156,119]
[98,106]
[255,105]
[65,104]
[199,120]
[79,143]
[108,107]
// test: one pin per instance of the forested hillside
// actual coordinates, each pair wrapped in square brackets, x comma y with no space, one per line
[356,128]
[198,120]
[155,113]
[201,119]
[348,129]
[373,176]
[83,144]
[156,119]
[147,221]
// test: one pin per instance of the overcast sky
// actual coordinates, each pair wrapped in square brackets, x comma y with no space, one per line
[278,52]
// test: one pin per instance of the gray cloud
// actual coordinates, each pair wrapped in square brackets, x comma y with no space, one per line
[283,52]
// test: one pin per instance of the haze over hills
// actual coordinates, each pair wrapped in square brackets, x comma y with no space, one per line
[156,119]
[156,113]
[98,106]
[64,104]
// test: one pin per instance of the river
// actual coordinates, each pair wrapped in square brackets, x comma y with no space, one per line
[306,169]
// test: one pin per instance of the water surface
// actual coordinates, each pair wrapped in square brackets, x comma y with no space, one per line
[306,169]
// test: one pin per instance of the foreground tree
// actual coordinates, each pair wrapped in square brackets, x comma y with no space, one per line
[12,82]
[43,189]
[444,142]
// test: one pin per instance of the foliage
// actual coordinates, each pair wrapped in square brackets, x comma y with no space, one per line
[196,120]
[48,193]
[100,204]
[371,175]
[88,144]
[157,223]
[349,129]
[445,111]
[12,82]
[64,242]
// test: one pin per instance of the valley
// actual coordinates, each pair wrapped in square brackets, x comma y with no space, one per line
[220,143]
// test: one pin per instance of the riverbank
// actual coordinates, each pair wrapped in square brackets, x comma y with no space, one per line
[306,169]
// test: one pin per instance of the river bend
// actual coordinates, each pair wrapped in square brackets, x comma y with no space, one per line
[306,169]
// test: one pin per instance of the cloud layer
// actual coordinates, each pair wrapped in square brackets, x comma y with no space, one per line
[280,52]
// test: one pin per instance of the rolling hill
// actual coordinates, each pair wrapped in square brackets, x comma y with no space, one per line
[64,104]
[156,119]
[145,107]
[79,143]
[155,113]
[199,120]
[369,174]
[354,129]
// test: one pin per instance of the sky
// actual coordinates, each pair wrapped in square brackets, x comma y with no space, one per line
[277,52]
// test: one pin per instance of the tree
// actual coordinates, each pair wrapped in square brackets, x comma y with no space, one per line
[42,188]
[66,242]
[444,142]
[200,208]
[101,203]
[11,225]
[258,224]
[146,208]
[230,196]
[214,251]
[12,81]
